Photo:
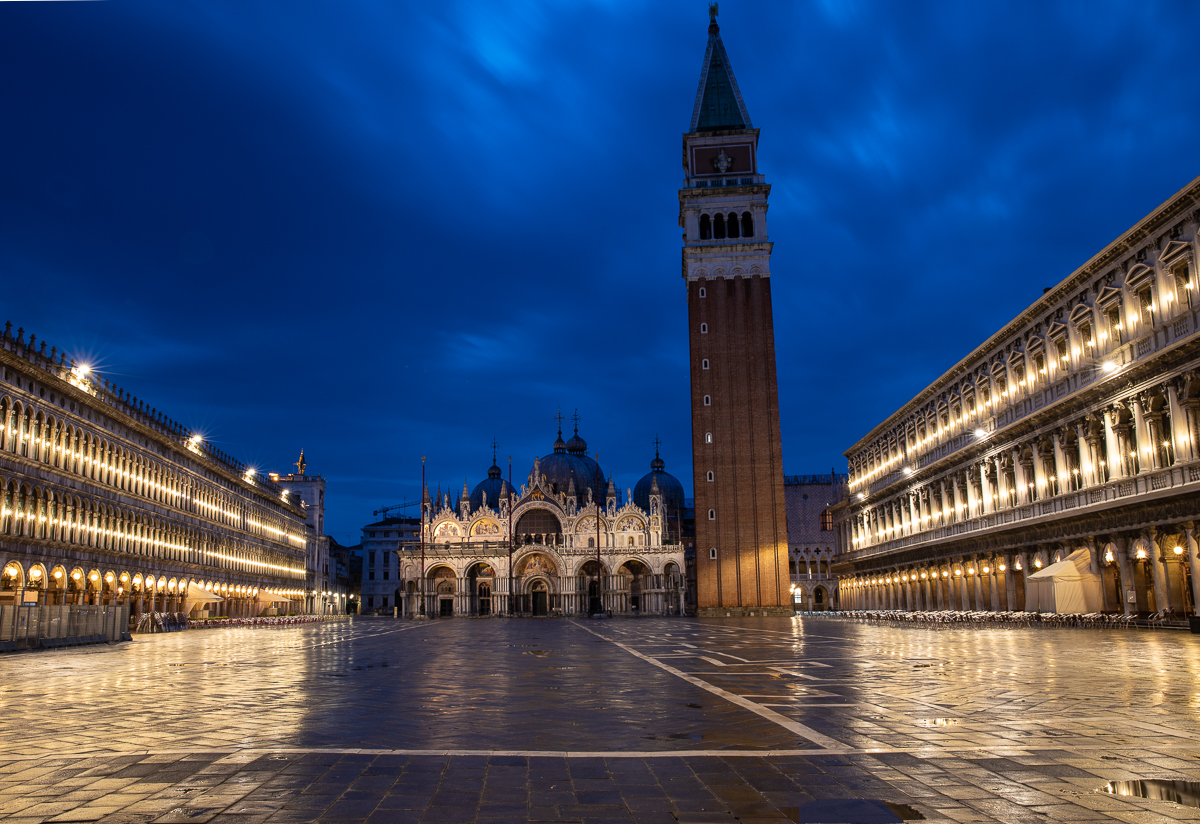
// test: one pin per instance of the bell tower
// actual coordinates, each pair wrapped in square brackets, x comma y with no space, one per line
[737,457]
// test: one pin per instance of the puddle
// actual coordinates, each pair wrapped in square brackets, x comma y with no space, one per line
[695,706]
[1186,793]
[940,722]
[534,652]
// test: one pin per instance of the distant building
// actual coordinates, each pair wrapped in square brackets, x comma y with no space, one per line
[811,544]
[109,501]
[380,562]
[1072,432]
[323,595]
[348,569]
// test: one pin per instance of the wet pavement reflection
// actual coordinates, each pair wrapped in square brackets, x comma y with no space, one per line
[631,720]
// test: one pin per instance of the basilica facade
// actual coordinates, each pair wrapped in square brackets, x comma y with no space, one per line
[564,543]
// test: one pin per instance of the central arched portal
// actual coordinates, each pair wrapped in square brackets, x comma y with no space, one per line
[540,597]
[539,526]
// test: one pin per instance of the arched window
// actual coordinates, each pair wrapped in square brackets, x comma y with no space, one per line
[732,223]
[747,224]
[710,476]
[826,520]
[708,437]
[708,400]
[705,228]
[712,553]
[703,292]
[592,543]
[719,227]
[712,514]
[704,363]
[704,329]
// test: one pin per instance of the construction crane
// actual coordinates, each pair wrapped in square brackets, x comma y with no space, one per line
[388,509]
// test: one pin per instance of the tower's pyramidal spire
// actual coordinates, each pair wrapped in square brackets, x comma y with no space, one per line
[719,105]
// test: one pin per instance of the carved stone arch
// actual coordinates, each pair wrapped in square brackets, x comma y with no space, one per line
[719,272]
[1137,274]
[756,270]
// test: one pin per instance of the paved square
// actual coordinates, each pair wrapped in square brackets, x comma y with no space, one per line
[652,720]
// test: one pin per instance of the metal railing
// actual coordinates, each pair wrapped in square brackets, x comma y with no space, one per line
[25,627]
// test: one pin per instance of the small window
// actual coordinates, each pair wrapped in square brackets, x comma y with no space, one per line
[712,553]
[747,225]
[708,400]
[705,229]
[703,292]
[710,476]
[592,543]
[704,363]
[732,223]
[712,514]
[719,227]
[826,521]
[704,329]
[708,437]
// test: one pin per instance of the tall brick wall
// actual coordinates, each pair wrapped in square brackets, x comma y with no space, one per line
[750,573]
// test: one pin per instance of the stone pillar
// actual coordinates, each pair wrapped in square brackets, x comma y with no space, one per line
[1128,582]
[1189,535]
[1116,466]
[1141,438]
[1162,592]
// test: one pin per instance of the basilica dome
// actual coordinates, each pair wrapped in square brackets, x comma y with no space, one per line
[493,485]
[569,461]
[668,486]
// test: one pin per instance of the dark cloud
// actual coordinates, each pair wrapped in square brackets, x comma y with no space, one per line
[387,230]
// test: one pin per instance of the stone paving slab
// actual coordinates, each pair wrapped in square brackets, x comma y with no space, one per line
[669,720]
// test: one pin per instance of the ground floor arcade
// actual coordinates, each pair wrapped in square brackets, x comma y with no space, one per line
[1139,572]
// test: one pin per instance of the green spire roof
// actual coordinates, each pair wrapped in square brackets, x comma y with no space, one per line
[719,104]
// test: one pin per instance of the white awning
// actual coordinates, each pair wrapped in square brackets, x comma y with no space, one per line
[199,593]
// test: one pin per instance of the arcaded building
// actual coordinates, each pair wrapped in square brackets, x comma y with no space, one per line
[109,501]
[1071,433]
[737,457]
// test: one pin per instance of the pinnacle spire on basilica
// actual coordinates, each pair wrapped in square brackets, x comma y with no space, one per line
[719,105]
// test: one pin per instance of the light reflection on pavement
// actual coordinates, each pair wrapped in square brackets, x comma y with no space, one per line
[643,720]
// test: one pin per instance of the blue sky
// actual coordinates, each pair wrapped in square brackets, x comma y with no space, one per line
[381,230]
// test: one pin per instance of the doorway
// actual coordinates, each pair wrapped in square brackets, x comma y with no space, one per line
[446,608]
[540,600]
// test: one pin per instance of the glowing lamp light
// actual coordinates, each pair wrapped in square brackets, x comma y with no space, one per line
[1141,554]
[35,573]
[1002,567]
[83,369]
[945,574]
[58,573]
[109,578]
[1109,366]
[1017,566]
[986,570]
[957,573]
[1108,556]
